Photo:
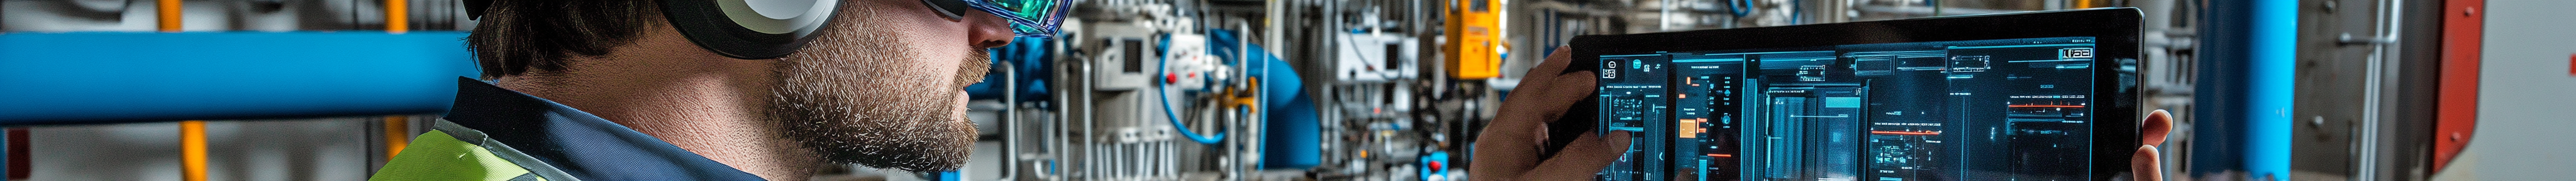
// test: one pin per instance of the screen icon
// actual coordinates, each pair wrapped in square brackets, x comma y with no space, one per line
[2075,53]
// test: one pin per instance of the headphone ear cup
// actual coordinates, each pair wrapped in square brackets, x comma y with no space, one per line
[739,28]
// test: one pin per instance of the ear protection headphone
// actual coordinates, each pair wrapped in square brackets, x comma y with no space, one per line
[744,29]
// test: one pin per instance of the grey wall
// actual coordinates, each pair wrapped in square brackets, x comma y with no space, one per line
[298,149]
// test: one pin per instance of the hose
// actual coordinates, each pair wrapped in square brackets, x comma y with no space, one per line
[1162,96]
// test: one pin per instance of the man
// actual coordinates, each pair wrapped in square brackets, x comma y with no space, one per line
[611,90]
[1508,148]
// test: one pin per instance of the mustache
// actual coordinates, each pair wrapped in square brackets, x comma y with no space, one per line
[971,70]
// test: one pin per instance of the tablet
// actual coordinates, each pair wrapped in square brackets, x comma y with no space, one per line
[2024,96]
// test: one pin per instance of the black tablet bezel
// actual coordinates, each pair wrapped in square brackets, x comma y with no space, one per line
[2115,31]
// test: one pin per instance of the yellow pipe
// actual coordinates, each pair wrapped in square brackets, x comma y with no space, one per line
[169,15]
[397,128]
[192,133]
[397,135]
[192,150]
[397,16]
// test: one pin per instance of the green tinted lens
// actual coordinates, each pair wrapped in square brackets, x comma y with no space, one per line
[1031,9]
[1028,17]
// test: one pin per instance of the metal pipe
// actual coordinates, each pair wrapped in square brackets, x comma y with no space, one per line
[1090,166]
[1252,131]
[1059,148]
[1010,120]
[2380,54]
[1170,163]
[1121,169]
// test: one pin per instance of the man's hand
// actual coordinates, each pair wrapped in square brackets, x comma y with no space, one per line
[2146,164]
[1509,148]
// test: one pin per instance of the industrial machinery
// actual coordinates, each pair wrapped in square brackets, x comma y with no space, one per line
[1396,90]
[1152,90]
[1321,89]
[1201,90]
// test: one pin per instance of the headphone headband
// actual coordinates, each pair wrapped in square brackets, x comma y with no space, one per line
[474,8]
[741,29]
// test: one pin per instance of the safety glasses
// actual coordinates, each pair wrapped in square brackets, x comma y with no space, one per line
[1029,18]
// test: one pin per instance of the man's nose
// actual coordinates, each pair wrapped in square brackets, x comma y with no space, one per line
[988,31]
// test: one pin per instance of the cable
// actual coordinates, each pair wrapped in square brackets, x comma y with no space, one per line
[1354,46]
[1175,117]
[1185,129]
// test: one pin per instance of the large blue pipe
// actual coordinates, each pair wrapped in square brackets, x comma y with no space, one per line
[109,77]
[2242,104]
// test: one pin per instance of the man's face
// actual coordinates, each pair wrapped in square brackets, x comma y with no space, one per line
[883,87]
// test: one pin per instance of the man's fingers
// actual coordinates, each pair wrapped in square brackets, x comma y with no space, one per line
[1504,149]
[1530,87]
[1545,74]
[1686,175]
[1549,103]
[1581,160]
[1555,63]
[2146,164]
[1511,144]
[1549,69]
[2152,131]
[1530,108]
[1513,141]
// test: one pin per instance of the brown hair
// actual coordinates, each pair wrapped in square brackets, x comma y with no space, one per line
[516,37]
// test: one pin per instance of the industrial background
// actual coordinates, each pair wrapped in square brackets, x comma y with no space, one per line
[1293,89]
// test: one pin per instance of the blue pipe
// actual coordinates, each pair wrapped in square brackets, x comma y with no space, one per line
[2244,97]
[121,77]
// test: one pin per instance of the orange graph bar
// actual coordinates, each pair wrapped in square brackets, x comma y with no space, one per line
[1905,132]
[1721,155]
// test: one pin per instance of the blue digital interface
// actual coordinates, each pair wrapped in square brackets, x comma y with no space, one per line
[2005,109]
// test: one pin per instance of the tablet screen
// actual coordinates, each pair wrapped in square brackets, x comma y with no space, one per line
[1999,109]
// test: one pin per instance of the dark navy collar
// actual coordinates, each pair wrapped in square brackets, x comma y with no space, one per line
[581,145]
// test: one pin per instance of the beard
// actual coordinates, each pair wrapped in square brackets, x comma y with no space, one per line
[863,99]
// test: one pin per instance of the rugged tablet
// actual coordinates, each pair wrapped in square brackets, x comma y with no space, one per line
[2023,96]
